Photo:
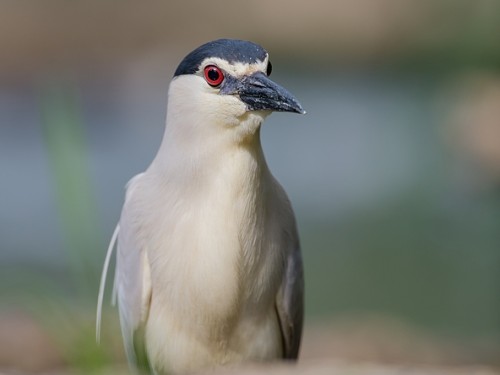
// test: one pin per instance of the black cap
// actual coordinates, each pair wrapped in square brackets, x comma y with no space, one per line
[231,50]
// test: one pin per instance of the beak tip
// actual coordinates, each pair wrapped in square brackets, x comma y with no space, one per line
[296,106]
[300,110]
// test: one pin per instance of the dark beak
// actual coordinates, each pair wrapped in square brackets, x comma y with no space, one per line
[260,93]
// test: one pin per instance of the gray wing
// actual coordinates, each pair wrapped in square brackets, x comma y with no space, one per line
[290,299]
[133,281]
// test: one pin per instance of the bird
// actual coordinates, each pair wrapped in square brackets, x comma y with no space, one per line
[209,269]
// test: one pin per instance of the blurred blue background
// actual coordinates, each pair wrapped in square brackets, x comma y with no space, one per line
[394,172]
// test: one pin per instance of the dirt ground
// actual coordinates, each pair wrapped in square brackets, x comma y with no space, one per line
[369,346]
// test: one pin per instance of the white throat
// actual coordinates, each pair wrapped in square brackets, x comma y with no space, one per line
[200,141]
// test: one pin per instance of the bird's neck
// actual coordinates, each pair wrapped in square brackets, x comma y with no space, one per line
[199,146]
[200,160]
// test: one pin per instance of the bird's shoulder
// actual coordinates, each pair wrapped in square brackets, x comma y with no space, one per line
[141,192]
[135,206]
[133,184]
[282,204]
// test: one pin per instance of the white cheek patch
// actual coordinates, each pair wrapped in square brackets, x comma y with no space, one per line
[236,69]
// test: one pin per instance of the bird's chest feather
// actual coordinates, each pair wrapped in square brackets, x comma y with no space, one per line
[214,254]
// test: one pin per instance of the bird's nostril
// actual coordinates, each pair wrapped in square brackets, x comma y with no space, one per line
[258,84]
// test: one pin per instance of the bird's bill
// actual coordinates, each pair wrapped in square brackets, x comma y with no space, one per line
[258,92]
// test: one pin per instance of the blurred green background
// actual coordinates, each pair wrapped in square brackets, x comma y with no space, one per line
[394,173]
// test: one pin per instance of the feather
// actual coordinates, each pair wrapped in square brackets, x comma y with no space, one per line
[103,283]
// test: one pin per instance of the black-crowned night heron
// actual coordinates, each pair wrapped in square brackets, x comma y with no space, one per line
[209,270]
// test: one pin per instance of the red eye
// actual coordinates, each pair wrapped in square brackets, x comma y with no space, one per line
[213,75]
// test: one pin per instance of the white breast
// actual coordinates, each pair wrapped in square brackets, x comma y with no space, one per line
[214,251]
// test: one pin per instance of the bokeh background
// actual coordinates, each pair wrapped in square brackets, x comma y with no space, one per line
[394,172]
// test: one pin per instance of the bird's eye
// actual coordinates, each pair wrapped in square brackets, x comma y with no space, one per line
[269,68]
[213,75]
